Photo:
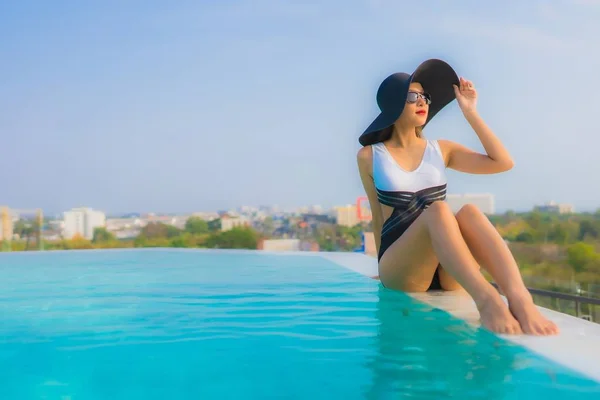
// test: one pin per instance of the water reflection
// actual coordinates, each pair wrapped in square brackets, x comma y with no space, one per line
[422,352]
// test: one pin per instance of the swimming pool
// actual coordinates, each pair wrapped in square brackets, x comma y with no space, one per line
[194,324]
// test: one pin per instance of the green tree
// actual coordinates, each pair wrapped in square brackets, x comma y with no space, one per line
[350,237]
[28,232]
[25,229]
[525,237]
[326,237]
[142,241]
[20,227]
[535,220]
[178,241]
[155,230]
[101,235]
[214,225]
[186,240]
[580,254]
[236,238]
[196,225]
[563,232]
[587,229]
[268,225]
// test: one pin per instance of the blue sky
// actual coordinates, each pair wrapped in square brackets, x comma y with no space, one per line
[195,106]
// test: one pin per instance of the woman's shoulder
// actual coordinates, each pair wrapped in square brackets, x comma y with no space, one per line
[444,146]
[443,142]
[365,153]
[439,144]
[364,157]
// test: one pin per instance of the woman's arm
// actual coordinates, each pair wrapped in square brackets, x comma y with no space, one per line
[461,158]
[365,163]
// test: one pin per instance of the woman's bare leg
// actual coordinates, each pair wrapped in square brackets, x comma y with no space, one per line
[410,262]
[492,253]
[447,282]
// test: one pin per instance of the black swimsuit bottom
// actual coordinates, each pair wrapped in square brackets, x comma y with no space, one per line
[407,208]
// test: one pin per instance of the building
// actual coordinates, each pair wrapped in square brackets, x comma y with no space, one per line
[125,228]
[82,222]
[483,201]
[316,209]
[207,216]
[119,224]
[6,224]
[174,220]
[229,222]
[346,215]
[555,208]
[314,219]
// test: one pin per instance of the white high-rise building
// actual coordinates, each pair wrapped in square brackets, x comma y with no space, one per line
[346,215]
[82,221]
[484,201]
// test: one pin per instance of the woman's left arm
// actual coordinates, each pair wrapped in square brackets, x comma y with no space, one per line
[461,158]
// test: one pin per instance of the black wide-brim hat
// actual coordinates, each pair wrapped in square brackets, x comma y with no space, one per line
[436,77]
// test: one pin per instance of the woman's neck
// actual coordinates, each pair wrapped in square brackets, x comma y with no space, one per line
[403,137]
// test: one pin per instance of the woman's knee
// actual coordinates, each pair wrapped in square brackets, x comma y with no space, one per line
[468,211]
[439,209]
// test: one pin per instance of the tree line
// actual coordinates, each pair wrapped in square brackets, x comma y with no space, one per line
[563,248]
[196,233]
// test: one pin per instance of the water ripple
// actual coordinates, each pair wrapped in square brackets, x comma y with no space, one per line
[155,325]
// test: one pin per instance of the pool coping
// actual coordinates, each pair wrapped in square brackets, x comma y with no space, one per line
[576,347]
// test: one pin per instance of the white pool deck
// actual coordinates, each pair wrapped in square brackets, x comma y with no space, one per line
[577,346]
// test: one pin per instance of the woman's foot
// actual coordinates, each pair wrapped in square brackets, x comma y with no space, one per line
[496,317]
[531,320]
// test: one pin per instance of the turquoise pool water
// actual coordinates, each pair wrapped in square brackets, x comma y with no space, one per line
[177,324]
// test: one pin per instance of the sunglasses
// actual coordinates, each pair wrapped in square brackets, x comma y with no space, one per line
[412,97]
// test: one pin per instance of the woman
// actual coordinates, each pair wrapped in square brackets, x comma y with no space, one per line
[421,243]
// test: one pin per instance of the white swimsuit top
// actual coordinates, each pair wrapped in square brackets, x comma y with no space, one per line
[396,186]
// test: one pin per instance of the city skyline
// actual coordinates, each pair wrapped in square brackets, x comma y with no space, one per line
[457,199]
[185,107]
